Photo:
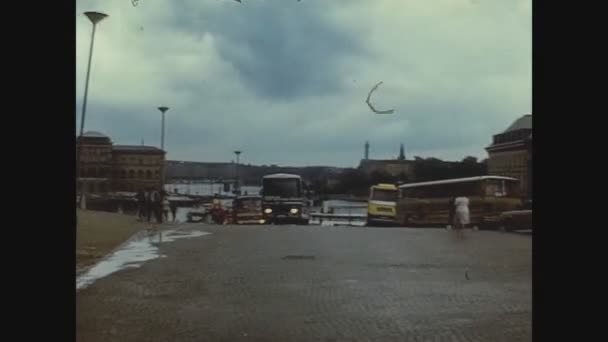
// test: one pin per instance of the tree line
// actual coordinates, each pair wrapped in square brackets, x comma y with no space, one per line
[356,182]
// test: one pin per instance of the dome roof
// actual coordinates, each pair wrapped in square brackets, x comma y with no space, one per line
[94,134]
[525,122]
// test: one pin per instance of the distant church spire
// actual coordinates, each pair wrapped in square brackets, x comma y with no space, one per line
[366,150]
[401,153]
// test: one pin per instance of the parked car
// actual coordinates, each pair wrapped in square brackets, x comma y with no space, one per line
[516,219]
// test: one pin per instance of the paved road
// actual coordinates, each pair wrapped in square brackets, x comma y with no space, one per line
[310,283]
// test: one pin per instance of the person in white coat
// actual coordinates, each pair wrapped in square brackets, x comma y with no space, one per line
[461,217]
[166,208]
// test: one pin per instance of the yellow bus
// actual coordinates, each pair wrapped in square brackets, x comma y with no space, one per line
[382,203]
[430,203]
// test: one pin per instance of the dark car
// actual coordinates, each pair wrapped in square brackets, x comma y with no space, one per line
[517,219]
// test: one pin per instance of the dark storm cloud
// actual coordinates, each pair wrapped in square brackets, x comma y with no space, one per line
[281,51]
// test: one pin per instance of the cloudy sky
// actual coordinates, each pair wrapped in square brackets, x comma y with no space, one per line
[286,81]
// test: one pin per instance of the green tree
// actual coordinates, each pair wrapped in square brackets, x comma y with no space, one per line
[470,160]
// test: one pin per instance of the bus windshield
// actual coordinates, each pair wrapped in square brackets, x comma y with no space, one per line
[384,195]
[287,187]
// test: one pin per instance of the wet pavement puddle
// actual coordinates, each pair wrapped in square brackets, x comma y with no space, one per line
[133,254]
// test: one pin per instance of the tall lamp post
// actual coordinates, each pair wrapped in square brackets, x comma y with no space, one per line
[163,110]
[94,17]
[236,181]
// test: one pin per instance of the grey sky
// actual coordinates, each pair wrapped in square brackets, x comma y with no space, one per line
[286,81]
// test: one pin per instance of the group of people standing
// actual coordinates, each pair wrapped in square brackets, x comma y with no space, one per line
[155,203]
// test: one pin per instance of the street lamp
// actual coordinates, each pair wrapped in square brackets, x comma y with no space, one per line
[162,133]
[237,186]
[163,110]
[94,17]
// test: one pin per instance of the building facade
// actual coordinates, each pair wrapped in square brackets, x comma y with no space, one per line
[95,162]
[106,167]
[395,167]
[391,166]
[136,167]
[511,154]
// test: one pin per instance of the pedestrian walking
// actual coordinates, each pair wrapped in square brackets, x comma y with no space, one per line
[452,210]
[461,211]
[157,206]
[148,204]
[174,211]
[166,208]
[217,212]
[141,205]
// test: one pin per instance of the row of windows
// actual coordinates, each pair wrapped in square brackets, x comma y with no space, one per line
[140,161]
[98,154]
[102,173]
[508,161]
[443,190]
[507,172]
[93,172]
[488,188]
[511,136]
[103,187]
[96,151]
[93,187]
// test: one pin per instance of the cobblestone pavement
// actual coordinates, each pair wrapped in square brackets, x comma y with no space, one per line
[274,283]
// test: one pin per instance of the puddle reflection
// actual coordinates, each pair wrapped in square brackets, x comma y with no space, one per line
[133,255]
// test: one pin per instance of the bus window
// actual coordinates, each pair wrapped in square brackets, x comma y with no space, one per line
[417,192]
[384,195]
[454,190]
[501,188]
[512,188]
[442,190]
[469,189]
[494,188]
[409,193]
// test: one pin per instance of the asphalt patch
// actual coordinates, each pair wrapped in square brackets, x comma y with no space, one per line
[298,257]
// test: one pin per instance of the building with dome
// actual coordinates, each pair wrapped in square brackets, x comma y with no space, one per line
[106,167]
[510,154]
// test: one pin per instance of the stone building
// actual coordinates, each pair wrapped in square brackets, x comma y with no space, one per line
[394,167]
[511,154]
[107,167]
[95,162]
[136,167]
